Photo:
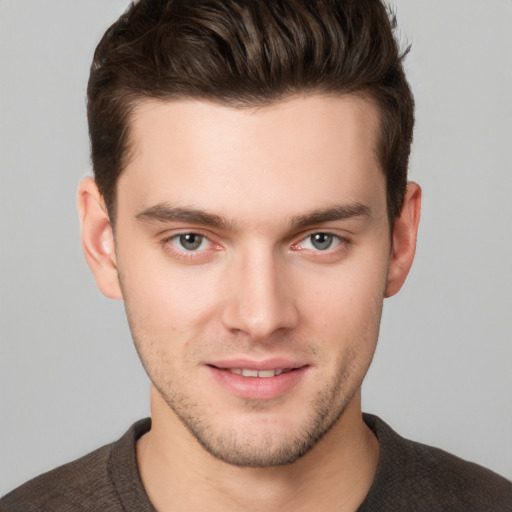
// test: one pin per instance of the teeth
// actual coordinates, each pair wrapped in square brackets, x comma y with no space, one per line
[256,373]
[267,373]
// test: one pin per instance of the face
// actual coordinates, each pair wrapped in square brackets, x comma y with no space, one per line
[252,247]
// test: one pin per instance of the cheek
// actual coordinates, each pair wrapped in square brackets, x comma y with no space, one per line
[164,297]
[350,294]
[345,309]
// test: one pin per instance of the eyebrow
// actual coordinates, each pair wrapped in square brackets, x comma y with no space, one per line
[341,212]
[168,213]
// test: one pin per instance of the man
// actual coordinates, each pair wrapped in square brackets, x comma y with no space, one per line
[251,207]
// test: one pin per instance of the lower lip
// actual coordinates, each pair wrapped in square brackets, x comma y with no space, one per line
[258,388]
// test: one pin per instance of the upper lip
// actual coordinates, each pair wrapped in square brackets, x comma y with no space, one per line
[251,364]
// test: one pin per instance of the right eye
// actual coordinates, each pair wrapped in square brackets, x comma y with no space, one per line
[190,242]
[321,241]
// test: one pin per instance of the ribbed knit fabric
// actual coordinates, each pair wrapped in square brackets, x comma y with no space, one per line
[105,480]
[411,477]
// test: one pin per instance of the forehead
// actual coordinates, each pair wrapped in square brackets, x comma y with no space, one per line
[300,154]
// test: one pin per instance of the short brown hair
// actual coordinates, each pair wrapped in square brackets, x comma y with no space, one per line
[248,53]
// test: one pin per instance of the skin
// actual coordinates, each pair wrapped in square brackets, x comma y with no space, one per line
[259,188]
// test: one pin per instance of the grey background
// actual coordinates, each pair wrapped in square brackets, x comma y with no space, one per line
[69,377]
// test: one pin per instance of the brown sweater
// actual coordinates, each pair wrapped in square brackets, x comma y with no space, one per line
[410,477]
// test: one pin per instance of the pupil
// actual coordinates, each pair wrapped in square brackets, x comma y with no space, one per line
[190,241]
[322,241]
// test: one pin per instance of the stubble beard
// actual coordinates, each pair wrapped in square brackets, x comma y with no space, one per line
[262,449]
[257,449]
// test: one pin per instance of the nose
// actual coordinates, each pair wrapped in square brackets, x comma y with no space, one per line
[259,297]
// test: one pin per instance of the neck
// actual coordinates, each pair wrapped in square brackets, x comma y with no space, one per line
[178,474]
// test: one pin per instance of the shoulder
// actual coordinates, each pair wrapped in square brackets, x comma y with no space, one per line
[105,479]
[68,487]
[414,476]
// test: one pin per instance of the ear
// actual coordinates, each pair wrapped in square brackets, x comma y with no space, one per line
[98,238]
[405,232]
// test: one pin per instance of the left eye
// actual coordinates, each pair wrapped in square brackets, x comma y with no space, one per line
[321,241]
[190,241]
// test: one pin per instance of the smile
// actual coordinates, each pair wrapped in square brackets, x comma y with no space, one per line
[256,380]
[256,373]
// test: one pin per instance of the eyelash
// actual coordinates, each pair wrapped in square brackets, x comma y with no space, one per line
[330,254]
[184,254]
[341,245]
[334,239]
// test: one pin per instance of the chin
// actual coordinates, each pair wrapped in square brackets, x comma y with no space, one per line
[261,450]
[262,439]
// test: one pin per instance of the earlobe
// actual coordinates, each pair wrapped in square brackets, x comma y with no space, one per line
[405,232]
[98,238]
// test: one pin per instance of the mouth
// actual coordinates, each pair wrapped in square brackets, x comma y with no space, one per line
[248,372]
[258,381]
